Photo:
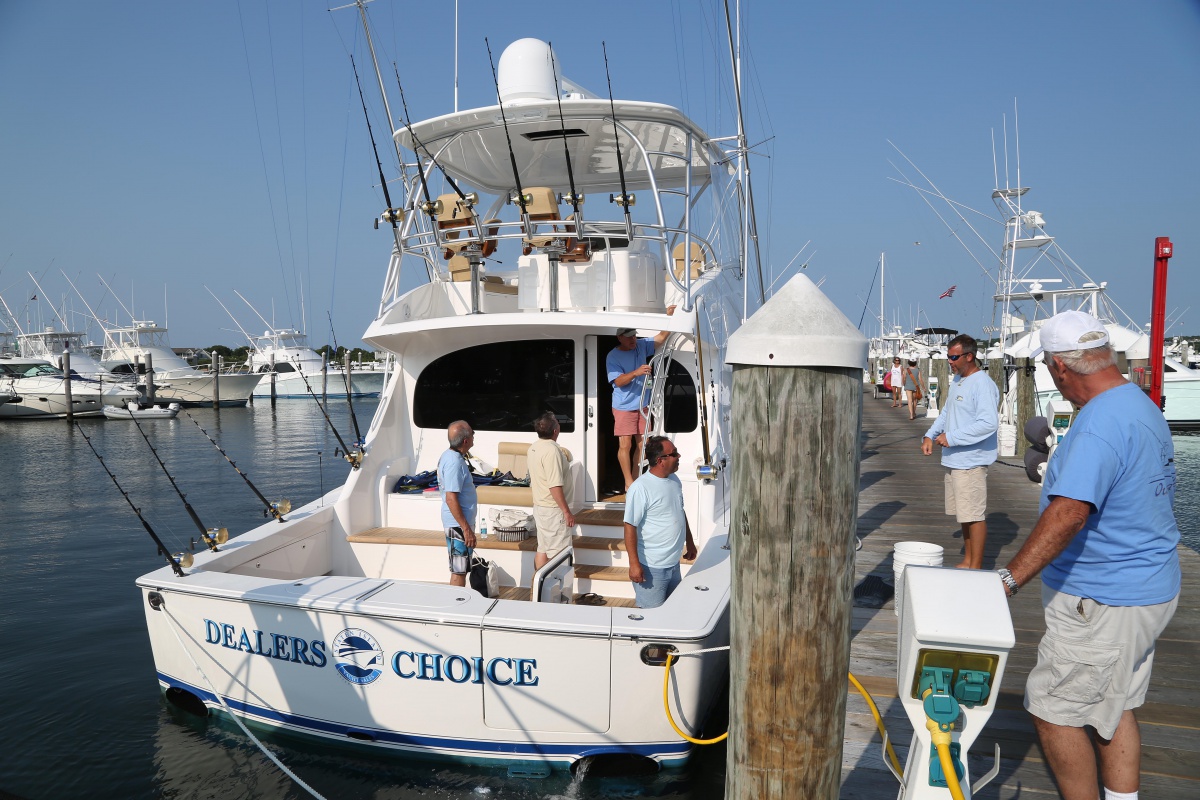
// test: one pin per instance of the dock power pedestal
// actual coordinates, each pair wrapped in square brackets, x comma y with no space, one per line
[954,639]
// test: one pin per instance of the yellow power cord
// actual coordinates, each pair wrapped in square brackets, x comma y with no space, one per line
[941,740]
[667,708]
[878,722]
[870,703]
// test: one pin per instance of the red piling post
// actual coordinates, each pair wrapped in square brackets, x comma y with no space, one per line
[1158,308]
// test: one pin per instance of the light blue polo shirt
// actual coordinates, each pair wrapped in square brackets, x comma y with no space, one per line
[620,362]
[654,506]
[454,475]
[1117,457]
[970,420]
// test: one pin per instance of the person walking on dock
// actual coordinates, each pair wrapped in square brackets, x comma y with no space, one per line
[656,527]
[966,430]
[1105,545]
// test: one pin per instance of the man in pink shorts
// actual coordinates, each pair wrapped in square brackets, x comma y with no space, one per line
[627,369]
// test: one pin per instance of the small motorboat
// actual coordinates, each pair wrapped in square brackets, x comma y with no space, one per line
[132,410]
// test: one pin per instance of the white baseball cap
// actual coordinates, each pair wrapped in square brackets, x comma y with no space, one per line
[1062,333]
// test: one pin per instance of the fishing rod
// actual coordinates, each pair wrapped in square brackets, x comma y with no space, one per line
[277,509]
[184,559]
[349,394]
[574,198]
[626,199]
[390,214]
[210,536]
[355,458]
[521,199]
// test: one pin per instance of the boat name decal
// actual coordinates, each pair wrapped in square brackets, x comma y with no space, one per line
[460,669]
[358,657]
[279,646]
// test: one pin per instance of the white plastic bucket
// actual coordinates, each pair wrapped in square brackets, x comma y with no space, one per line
[905,553]
[1006,438]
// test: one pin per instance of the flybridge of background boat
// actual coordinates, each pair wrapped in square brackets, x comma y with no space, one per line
[536,243]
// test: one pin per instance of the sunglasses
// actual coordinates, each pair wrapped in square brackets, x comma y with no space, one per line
[670,455]
[956,358]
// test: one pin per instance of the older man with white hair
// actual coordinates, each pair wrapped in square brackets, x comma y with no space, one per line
[1105,545]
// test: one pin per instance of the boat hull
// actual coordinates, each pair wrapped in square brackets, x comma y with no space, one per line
[234,390]
[471,692]
[290,385]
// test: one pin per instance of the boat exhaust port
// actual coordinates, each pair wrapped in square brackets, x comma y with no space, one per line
[361,736]
[613,765]
[186,701]
[155,600]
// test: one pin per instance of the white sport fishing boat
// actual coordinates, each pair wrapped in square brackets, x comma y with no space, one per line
[175,380]
[1037,279]
[301,372]
[339,622]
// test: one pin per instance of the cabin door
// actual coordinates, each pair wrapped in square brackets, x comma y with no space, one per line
[604,471]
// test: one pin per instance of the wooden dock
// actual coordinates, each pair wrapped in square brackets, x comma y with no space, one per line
[901,499]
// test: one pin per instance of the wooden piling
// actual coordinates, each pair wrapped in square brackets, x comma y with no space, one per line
[797,385]
[149,378]
[1026,401]
[941,368]
[67,395]
[215,369]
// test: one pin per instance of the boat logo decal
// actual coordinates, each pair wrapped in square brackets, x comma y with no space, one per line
[357,656]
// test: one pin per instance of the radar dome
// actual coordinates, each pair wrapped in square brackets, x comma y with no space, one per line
[526,72]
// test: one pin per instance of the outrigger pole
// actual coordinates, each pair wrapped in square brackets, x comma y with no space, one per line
[162,548]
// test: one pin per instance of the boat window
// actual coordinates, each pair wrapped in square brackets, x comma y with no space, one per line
[283,366]
[501,386]
[680,402]
[1168,368]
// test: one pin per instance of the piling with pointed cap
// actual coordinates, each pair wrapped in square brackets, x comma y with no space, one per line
[797,395]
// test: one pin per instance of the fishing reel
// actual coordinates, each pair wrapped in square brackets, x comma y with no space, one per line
[392,216]
[183,560]
[571,198]
[625,200]
[523,199]
[278,509]
[214,537]
[354,458]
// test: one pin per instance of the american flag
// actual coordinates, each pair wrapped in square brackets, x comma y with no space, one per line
[948,293]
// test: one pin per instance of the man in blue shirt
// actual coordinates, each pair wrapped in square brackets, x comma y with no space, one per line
[966,430]
[1105,545]
[627,368]
[458,500]
[656,528]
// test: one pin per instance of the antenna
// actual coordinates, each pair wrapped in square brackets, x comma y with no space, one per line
[114,294]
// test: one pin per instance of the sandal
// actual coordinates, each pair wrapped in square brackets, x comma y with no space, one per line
[591,599]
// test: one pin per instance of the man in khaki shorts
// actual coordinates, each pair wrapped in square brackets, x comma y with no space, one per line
[966,430]
[1105,544]
[549,473]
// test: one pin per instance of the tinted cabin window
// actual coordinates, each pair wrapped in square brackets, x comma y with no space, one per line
[680,402]
[502,386]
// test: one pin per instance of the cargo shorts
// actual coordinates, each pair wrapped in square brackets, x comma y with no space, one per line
[1094,661]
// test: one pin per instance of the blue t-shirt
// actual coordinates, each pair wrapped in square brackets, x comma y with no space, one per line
[1119,458]
[454,475]
[654,506]
[970,420]
[618,363]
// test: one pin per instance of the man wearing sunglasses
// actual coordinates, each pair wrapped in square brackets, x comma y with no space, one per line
[656,529]
[966,430]
[1105,544]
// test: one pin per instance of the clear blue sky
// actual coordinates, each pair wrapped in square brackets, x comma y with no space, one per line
[168,146]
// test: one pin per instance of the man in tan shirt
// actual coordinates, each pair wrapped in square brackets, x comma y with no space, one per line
[549,473]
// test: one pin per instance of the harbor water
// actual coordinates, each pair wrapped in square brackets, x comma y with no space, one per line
[82,715]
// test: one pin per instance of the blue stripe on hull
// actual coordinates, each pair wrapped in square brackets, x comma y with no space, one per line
[668,754]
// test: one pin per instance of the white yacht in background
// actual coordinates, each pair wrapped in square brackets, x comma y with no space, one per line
[175,380]
[337,621]
[49,344]
[37,390]
[298,368]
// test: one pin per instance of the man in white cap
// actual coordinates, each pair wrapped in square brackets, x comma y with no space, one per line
[627,366]
[966,431]
[1105,545]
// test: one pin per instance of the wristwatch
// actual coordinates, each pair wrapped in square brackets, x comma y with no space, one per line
[1009,581]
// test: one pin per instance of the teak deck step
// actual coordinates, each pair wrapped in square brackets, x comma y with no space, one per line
[601,516]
